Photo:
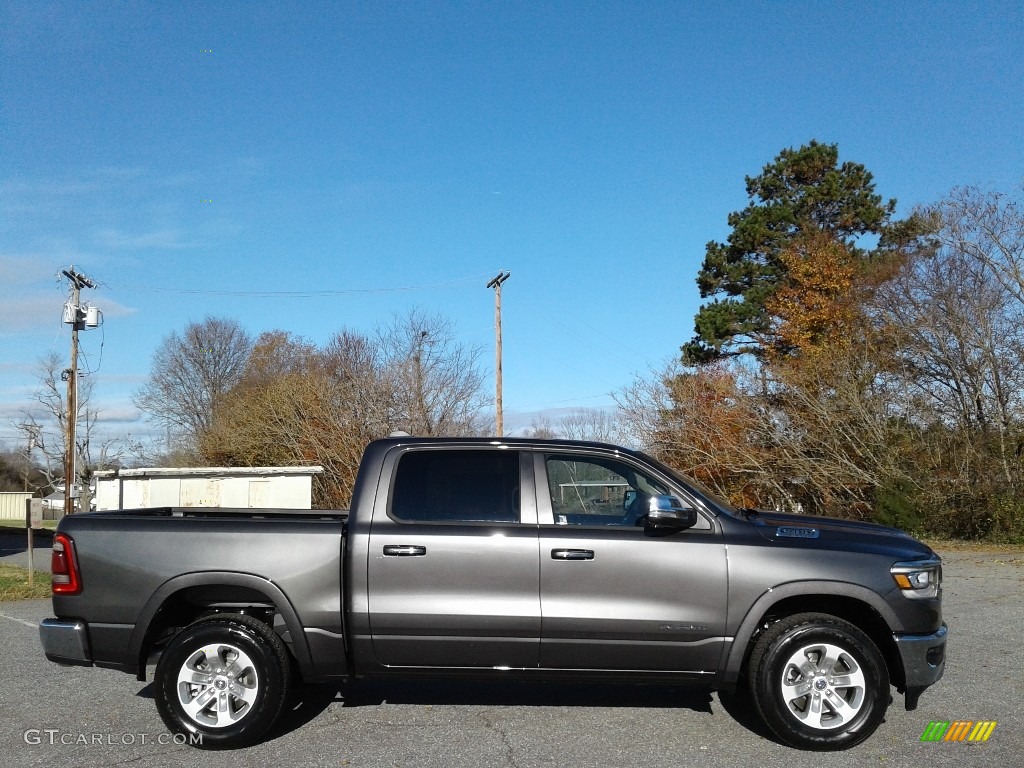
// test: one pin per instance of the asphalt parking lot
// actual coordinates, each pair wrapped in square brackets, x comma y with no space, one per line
[54,716]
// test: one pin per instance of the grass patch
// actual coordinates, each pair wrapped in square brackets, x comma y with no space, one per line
[14,584]
[10,526]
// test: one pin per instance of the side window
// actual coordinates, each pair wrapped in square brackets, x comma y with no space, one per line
[592,491]
[457,486]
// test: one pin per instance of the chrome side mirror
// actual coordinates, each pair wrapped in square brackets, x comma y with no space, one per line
[670,512]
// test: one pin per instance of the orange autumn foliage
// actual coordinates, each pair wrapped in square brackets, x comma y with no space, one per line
[816,305]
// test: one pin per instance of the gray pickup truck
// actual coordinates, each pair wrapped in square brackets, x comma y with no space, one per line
[502,559]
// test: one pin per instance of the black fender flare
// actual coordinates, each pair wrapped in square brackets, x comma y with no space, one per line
[261,584]
[732,660]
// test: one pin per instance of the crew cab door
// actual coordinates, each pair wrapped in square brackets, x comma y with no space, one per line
[453,574]
[616,594]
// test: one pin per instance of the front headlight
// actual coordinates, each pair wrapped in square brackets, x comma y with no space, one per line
[918,578]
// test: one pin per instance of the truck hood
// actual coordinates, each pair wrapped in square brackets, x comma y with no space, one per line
[815,532]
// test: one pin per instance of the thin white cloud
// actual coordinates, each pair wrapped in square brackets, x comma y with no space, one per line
[15,410]
[518,421]
[18,189]
[111,308]
[160,238]
[30,313]
[118,414]
[11,396]
[8,367]
[25,268]
[99,180]
[45,311]
[42,265]
[112,412]
[131,378]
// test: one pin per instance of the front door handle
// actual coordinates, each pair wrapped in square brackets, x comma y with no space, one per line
[572,554]
[404,550]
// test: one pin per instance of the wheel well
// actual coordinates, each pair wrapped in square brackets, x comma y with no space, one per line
[857,612]
[193,603]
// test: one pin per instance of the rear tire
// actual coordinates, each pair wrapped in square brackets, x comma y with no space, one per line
[818,682]
[223,681]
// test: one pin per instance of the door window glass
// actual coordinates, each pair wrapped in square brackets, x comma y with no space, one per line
[594,491]
[457,486]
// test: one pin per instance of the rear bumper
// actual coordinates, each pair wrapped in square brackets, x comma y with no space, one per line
[924,661]
[66,641]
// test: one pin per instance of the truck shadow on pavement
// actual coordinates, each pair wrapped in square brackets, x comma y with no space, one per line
[522,694]
[739,706]
[309,701]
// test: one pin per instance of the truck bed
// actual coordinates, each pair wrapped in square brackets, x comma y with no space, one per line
[133,561]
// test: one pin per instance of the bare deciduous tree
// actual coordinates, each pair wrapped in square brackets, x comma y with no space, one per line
[595,424]
[299,404]
[437,381]
[988,229]
[44,427]
[960,344]
[957,320]
[541,428]
[833,433]
[191,372]
[18,472]
[702,423]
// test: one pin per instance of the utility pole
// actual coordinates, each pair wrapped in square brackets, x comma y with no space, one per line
[495,283]
[421,426]
[75,317]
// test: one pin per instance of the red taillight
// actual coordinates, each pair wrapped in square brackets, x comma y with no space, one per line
[64,567]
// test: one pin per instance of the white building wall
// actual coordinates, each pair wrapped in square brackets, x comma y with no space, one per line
[108,494]
[257,488]
[12,505]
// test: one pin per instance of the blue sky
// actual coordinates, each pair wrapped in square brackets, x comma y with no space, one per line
[592,149]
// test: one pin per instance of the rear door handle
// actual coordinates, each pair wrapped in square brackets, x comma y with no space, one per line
[572,554]
[404,550]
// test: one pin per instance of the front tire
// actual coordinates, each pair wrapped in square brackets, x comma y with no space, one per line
[818,682]
[223,679]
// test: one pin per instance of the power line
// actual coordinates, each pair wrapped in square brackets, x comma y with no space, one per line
[305,294]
